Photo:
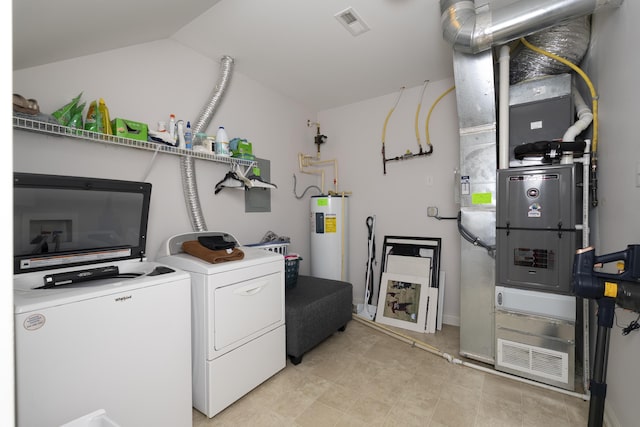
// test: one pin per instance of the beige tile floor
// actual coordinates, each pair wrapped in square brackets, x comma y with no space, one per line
[363,377]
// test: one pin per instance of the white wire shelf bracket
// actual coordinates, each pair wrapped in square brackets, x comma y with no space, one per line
[59,130]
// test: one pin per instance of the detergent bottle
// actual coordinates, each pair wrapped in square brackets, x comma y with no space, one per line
[104,117]
[222,142]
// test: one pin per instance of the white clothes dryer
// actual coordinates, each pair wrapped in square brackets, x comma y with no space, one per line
[238,320]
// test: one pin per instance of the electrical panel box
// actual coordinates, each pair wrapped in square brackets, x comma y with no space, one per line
[539,110]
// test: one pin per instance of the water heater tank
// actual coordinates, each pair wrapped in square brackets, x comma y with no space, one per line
[330,237]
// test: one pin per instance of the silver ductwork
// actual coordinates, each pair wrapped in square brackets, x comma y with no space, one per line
[475,97]
[472,31]
[569,40]
[187,163]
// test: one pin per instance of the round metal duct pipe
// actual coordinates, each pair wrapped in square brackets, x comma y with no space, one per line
[471,32]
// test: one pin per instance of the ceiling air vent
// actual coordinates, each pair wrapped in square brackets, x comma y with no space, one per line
[352,21]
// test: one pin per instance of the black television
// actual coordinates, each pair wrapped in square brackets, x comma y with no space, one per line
[64,221]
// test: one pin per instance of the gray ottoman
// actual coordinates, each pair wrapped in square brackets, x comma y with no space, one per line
[314,309]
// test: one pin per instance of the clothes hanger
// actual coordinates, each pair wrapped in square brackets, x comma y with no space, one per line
[258,182]
[230,180]
[233,179]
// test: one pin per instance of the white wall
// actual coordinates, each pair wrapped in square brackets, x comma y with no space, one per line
[613,67]
[399,199]
[278,129]
[138,86]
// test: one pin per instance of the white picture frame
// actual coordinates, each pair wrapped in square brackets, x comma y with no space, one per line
[403,301]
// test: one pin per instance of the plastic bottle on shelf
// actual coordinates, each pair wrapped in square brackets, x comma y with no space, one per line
[188,136]
[222,142]
[199,142]
[180,134]
[172,126]
[104,116]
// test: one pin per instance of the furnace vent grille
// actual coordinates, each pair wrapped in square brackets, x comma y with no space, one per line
[532,360]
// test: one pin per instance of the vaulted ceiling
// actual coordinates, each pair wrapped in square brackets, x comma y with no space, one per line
[297,48]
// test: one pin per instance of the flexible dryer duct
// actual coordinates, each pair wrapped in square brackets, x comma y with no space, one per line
[187,163]
[569,40]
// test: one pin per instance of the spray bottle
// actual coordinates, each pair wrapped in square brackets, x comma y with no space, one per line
[188,136]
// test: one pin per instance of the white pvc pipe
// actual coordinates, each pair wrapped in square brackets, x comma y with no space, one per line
[523,380]
[335,170]
[433,350]
[585,117]
[303,162]
[585,160]
[503,114]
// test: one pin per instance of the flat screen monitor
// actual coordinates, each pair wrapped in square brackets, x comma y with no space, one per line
[64,221]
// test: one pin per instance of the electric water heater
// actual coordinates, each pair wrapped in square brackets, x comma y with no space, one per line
[330,237]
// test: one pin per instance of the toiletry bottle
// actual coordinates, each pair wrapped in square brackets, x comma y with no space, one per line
[188,136]
[172,126]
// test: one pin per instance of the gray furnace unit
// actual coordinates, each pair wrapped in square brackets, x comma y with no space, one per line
[538,211]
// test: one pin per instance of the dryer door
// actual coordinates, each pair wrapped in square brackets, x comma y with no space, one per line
[244,310]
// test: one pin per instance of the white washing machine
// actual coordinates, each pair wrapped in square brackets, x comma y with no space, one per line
[121,344]
[97,326]
[238,321]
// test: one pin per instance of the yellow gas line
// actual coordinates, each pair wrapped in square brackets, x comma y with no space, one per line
[426,126]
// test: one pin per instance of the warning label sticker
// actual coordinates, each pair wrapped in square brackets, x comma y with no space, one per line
[330,224]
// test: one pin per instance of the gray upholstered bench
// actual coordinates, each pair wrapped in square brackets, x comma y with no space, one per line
[314,309]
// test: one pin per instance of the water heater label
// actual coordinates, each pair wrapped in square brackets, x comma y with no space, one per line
[323,202]
[330,223]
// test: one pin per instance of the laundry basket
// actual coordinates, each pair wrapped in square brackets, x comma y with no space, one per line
[278,247]
[291,267]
